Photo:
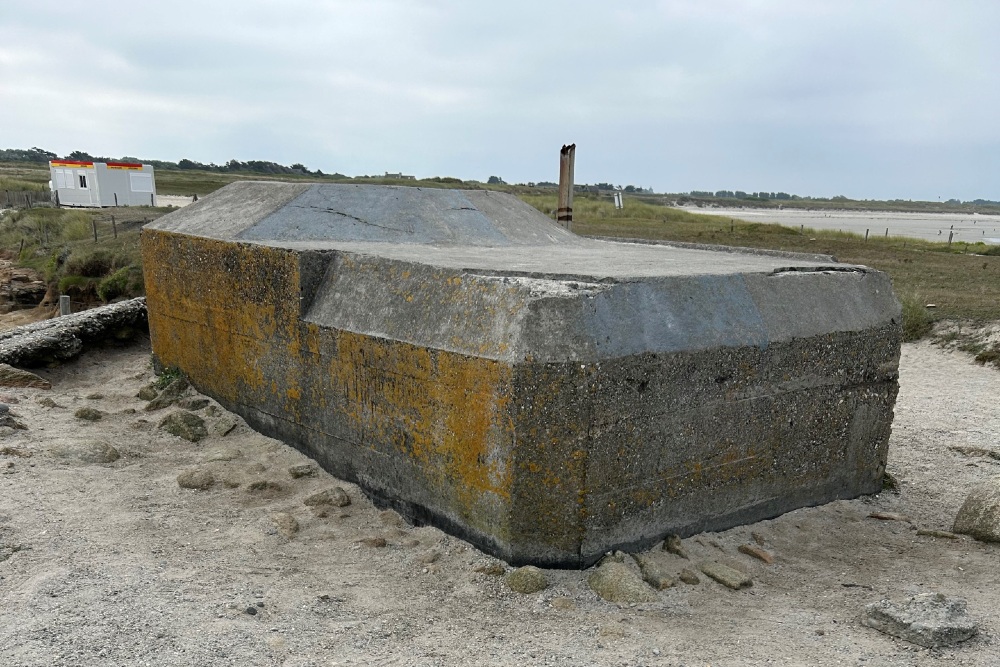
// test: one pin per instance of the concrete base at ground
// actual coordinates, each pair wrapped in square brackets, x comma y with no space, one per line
[545,396]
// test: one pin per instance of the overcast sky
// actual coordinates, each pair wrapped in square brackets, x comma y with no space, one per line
[869,99]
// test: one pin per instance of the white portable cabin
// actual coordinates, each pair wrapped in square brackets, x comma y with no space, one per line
[96,184]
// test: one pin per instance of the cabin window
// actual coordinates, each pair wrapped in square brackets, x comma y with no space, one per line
[83,181]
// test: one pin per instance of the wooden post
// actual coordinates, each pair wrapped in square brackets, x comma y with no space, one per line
[887,232]
[950,235]
[866,235]
[65,307]
[564,214]
[93,221]
[114,227]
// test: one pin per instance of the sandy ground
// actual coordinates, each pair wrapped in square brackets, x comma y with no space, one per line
[928,226]
[114,564]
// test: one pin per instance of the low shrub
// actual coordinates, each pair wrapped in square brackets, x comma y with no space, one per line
[125,282]
[917,320]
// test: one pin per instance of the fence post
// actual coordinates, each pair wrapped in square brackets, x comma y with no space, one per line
[114,227]
[93,221]
[65,307]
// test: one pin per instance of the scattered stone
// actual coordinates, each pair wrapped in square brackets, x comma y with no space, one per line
[303,470]
[147,393]
[89,414]
[966,450]
[15,377]
[526,580]
[890,483]
[932,620]
[335,496]
[727,576]
[889,516]
[615,582]
[654,571]
[374,542]
[757,537]
[223,454]
[265,486]
[95,397]
[169,395]
[673,545]
[8,421]
[86,451]
[980,513]
[231,482]
[756,552]
[196,479]
[185,425]
[689,577]
[252,611]
[930,532]
[193,403]
[224,425]
[14,451]
[392,519]
[47,402]
[429,556]
[494,569]
[562,603]
[286,524]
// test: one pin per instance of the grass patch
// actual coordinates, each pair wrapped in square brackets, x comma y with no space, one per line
[961,280]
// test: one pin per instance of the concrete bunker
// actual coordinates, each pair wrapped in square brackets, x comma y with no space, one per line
[545,396]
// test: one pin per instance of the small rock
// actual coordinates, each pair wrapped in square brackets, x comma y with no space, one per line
[95,397]
[223,454]
[89,414]
[47,402]
[890,483]
[14,451]
[7,420]
[197,479]
[429,556]
[169,395]
[252,611]
[655,571]
[930,619]
[86,451]
[193,403]
[335,496]
[374,542]
[889,516]
[944,534]
[615,582]
[563,603]
[286,524]
[526,580]
[265,486]
[147,393]
[727,576]
[689,576]
[303,470]
[494,569]
[15,377]
[673,545]
[392,519]
[757,537]
[980,514]
[756,552]
[224,424]
[185,425]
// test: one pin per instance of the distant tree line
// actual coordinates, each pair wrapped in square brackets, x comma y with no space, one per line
[40,155]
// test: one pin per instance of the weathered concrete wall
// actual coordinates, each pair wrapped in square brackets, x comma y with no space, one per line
[550,412]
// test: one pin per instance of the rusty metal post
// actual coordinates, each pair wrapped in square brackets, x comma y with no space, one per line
[564,214]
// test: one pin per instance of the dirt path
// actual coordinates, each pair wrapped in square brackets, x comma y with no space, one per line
[114,564]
